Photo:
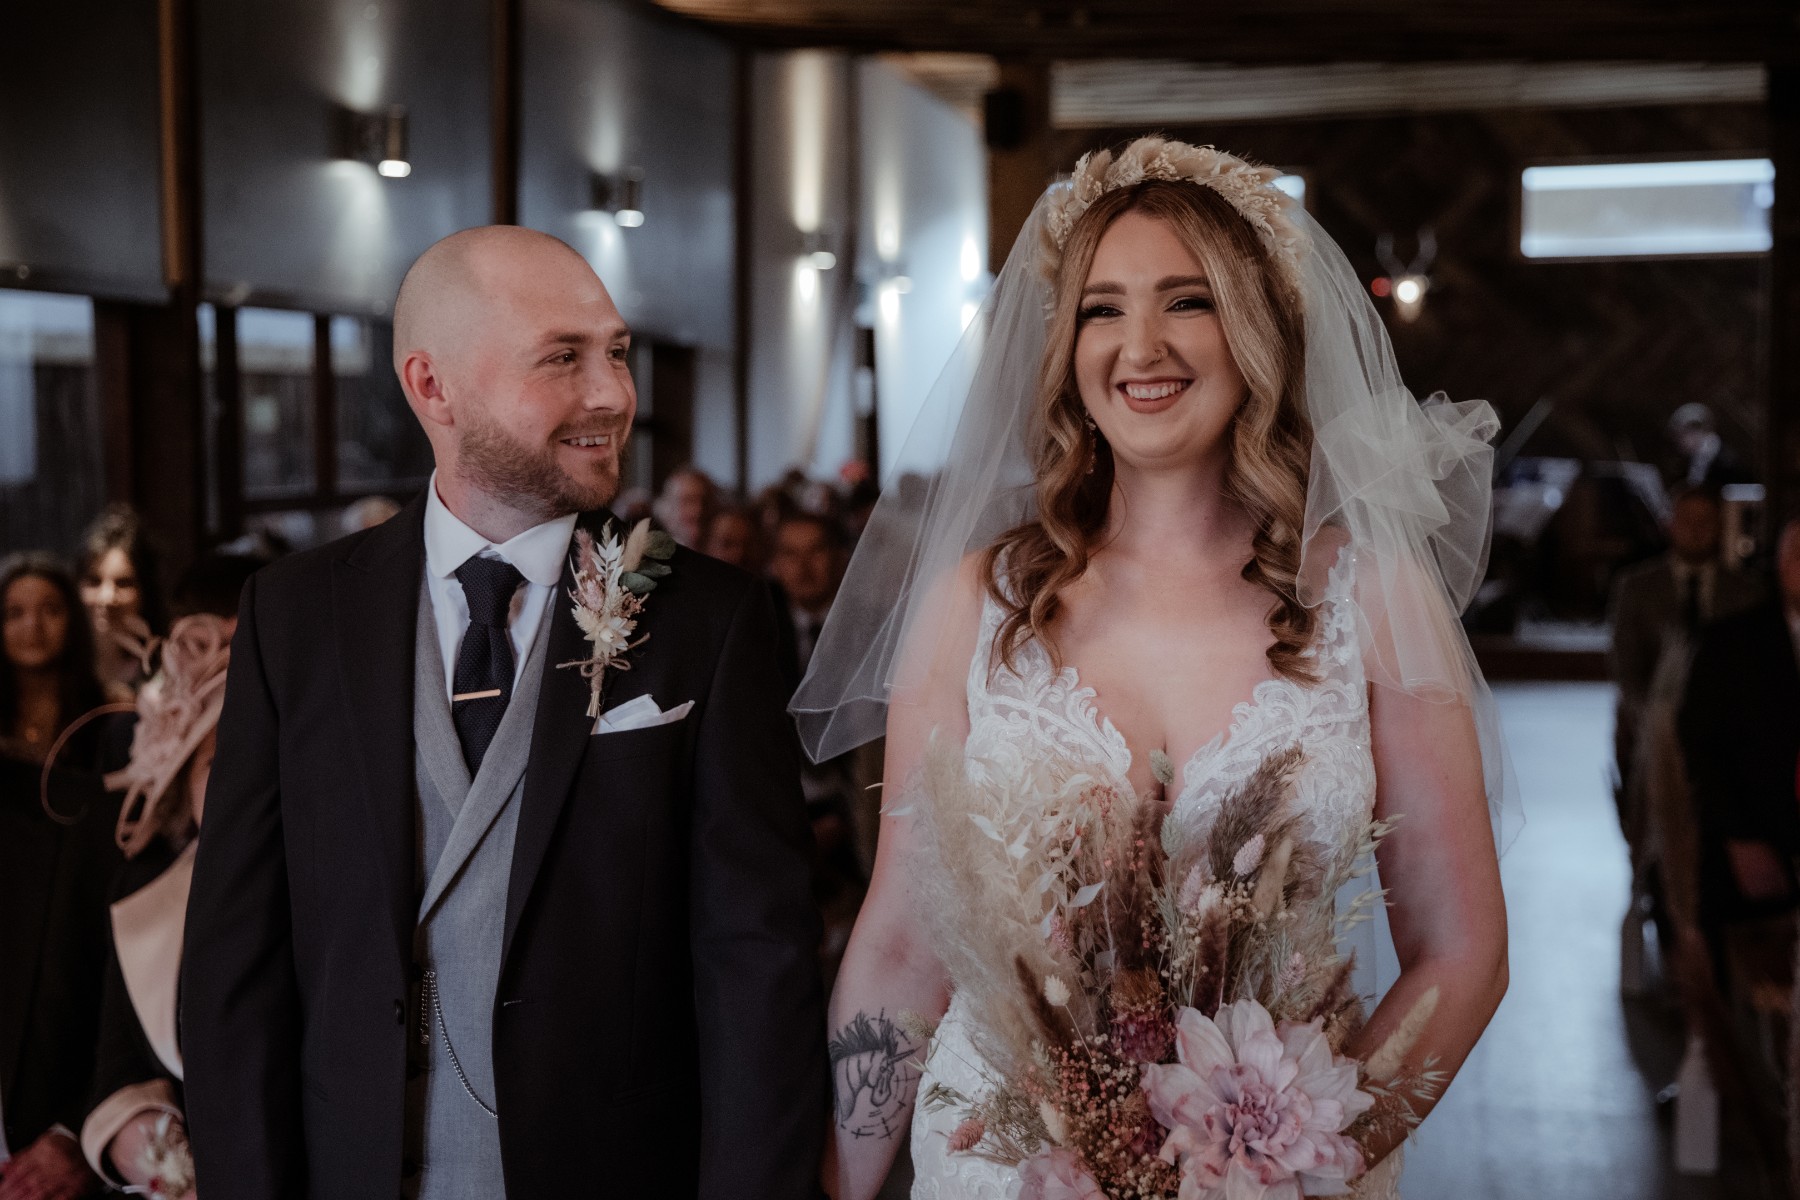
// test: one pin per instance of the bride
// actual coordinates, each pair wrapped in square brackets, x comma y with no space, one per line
[1189,517]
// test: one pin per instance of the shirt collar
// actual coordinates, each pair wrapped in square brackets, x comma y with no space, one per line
[538,553]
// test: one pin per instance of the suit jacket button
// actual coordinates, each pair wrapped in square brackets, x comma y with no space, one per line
[399,1013]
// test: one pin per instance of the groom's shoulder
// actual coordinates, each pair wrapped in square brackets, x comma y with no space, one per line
[298,576]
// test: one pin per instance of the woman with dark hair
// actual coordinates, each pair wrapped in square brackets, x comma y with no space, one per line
[121,587]
[47,674]
[55,863]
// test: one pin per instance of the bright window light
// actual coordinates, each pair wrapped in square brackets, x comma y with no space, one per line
[1651,209]
[1293,185]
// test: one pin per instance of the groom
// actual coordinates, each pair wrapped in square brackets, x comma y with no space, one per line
[448,937]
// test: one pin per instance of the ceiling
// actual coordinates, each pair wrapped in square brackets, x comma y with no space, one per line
[1269,31]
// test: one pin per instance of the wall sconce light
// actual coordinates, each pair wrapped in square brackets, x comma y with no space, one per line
[378,139]
[622,195]
[1405,283]
[813,245]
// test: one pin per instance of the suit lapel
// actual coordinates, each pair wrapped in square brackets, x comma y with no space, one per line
[375,609]
[558,740]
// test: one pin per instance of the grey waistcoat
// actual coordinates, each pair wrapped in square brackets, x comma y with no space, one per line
[465,832]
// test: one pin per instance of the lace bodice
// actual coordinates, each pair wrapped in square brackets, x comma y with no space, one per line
[1037,710]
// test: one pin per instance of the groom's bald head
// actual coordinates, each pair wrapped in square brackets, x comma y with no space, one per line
[512,355]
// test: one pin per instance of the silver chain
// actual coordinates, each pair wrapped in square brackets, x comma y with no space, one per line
[437,1008]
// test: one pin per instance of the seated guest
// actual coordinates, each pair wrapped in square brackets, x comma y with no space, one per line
[121,588]
[134,1135]
[1673,593]
[687,499]
[732,536]
[1740,736]
[47,674]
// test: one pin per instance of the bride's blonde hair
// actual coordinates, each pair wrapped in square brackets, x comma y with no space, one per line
[1271,436]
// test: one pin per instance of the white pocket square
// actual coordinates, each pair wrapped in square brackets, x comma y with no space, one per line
[640,713]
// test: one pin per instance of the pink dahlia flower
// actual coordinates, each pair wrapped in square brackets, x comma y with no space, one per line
[1256,1113]
[1057,1174]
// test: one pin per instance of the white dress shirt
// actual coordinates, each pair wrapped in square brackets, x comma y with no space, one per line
[538,554]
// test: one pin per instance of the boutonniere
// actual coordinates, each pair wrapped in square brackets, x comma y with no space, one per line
[612,580]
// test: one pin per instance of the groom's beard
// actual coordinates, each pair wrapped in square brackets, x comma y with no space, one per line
[530,479]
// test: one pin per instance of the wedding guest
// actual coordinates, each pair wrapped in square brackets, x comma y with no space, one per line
[732,536]
[806,566]
[121,587]
[135,1135]
[1702,455]
[1673,593]
[47,674]
[1740,734]
[807,562]
[54,868]
[687,499]
[56,860]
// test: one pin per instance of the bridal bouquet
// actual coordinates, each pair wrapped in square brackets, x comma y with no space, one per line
[1159,1011]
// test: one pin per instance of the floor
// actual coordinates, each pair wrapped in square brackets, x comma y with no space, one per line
[1558,1101]
[1559,1098]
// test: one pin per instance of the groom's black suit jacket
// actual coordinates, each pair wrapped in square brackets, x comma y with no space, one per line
[658,1027]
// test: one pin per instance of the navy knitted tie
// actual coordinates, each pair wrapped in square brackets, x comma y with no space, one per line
[484,666]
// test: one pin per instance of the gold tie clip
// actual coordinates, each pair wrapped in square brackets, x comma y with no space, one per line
[487,695]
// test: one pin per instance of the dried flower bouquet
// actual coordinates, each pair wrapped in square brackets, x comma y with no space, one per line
[1158,1011]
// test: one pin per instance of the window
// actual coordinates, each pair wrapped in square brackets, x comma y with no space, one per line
[52,452]
[1648,209]
[321,421]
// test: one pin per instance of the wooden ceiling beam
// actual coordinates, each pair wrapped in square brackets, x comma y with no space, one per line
[1277,30]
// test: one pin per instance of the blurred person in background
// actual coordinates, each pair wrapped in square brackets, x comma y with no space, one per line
[1702,457]
[1740,735]
[687,499]
[121,588]
[47,678]
[732,536]
[1674,593]
[56,861]
[806,564]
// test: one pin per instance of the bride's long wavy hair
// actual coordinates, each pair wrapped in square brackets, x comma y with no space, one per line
[1271,435]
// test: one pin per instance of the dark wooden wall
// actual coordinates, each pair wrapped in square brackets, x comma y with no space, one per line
[1618,345]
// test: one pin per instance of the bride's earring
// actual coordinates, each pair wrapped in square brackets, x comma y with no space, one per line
[1093,443]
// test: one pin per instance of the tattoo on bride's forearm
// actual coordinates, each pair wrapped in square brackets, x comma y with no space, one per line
[873,1074]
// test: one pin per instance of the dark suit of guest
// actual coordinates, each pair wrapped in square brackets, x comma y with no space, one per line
[1740,736]
[53,944]
[656,1023]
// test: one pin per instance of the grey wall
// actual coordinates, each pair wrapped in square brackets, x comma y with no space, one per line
[610,86]
[78,148]
[286,221]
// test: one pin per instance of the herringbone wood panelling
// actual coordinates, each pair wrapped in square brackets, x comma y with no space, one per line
[1617,345]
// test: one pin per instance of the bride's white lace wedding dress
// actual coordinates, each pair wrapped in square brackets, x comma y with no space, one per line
[1037,710]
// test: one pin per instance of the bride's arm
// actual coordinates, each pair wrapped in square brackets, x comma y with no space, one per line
[1445,906]
[889,967]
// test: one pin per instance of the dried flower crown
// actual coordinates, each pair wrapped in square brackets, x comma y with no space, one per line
[1248,188]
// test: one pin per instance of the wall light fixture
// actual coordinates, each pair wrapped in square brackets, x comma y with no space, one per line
[377,138]
[622,195]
